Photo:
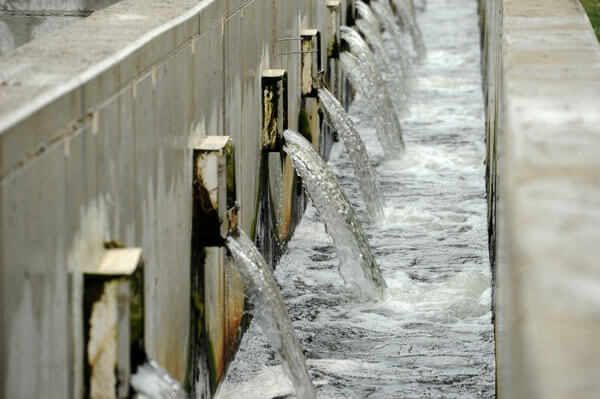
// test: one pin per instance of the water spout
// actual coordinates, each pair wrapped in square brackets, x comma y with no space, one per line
[357,263]
[406,13]
[270,312]
[368,24]
[355,147]
[384,13]
[366,78]
[391,144]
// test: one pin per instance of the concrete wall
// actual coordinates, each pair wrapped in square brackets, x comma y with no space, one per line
[543,84]
[97,128]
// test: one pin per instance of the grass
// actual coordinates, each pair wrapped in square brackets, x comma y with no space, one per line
[592,7]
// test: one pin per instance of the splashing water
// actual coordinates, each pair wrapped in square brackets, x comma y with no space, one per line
[365,77]
[368,24]
[367,177]
[384,13]
[270,312]
[151,381]
[407,17]
[357,264]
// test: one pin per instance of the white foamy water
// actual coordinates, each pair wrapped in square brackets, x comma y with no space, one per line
[431,335]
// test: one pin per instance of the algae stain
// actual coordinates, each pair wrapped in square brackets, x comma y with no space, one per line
[333,48]
[304,125]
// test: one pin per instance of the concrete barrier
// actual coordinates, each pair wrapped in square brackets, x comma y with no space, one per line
[98,126]
[542,69]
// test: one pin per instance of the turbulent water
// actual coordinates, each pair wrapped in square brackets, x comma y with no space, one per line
[431,337]
[269,311]
[357,152]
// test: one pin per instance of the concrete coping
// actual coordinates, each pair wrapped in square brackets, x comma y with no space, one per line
[117,262]
[273,73]
[309,32]
[213,143]
[549,212]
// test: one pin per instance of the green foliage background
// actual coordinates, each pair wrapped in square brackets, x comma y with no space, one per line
[592,7]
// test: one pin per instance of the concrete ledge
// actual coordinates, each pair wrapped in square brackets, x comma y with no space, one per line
[546,148]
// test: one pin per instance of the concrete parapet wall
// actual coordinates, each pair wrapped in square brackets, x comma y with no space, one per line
[98,123]
[544,146]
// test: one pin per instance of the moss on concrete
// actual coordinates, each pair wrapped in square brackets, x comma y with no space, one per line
[333,48]
[592,7]
[304,125]
[212,366]
[230,161]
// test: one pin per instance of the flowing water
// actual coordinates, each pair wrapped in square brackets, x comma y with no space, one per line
[406,12]
[431,336]
[366,78]
[384,13]
[357,265]
[369,25]
[357,152]
[269,311]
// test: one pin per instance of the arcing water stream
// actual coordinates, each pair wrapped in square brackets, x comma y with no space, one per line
[357,264]
[431,336]
[369,25]
[383,10]
[269,311]
[364,74]
[357,152]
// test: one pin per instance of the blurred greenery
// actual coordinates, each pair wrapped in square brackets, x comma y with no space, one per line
[592,7]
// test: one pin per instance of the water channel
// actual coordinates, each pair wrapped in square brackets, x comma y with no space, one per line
[431,335]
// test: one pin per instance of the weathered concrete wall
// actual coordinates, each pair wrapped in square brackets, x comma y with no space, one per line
[98,123]
[544,146]
[22,21]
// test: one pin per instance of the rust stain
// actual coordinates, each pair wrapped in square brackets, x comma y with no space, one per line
[287,199]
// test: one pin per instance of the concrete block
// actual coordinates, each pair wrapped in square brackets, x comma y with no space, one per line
[274,108]
[214,217]
[311,60]
[113,321]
